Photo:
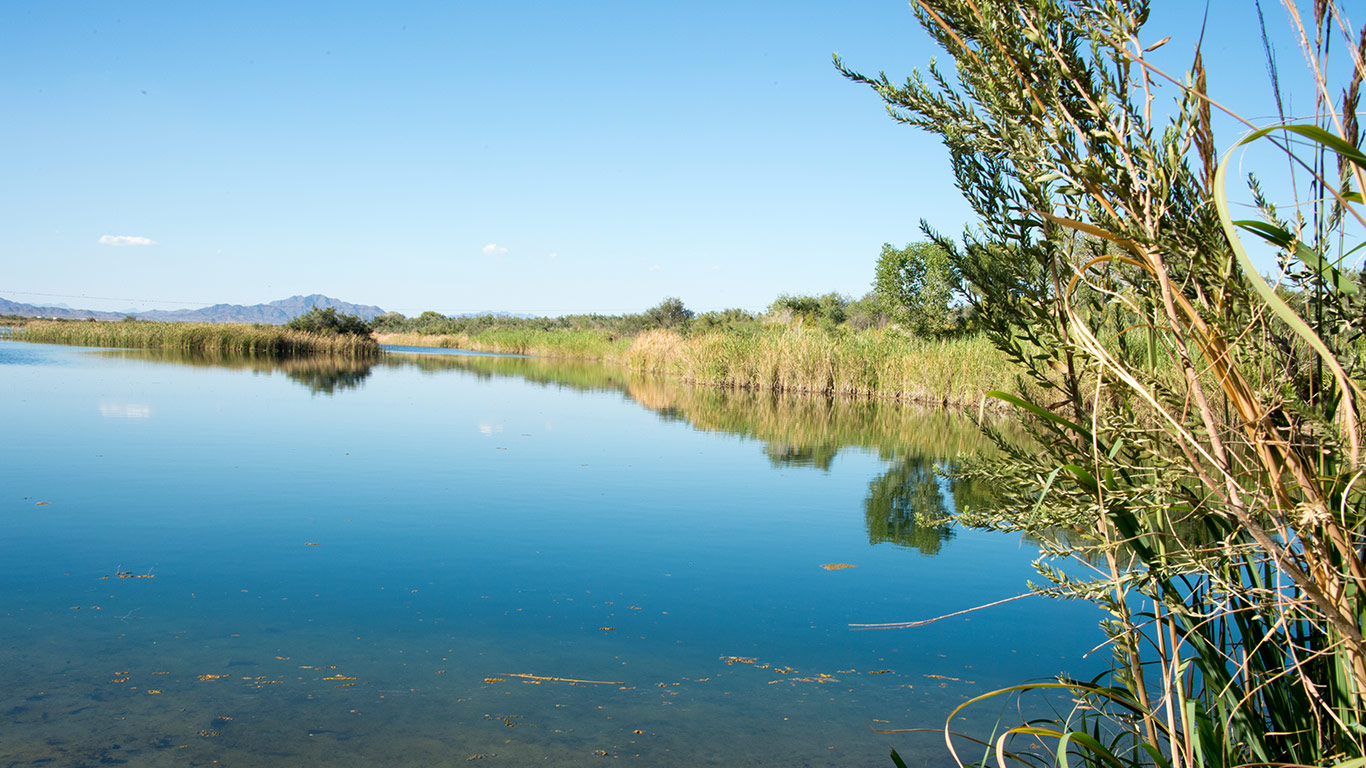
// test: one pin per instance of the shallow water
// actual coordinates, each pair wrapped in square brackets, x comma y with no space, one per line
[259,564]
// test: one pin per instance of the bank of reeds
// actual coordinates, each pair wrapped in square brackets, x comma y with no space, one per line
[776,357]
[580,344]
[800,358]
[199,337]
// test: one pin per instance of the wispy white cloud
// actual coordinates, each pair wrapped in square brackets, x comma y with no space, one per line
[494,249]
[655,267]
[554,255]
[126,240]
[125,411]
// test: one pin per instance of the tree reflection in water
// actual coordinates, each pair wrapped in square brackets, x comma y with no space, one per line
[910,505]
[320,374]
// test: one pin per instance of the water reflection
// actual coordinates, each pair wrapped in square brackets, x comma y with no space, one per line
[320,374]
[910,505]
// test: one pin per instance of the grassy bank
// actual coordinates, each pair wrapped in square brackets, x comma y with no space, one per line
[797,358]
[774,357]
[580,344]
[200,337]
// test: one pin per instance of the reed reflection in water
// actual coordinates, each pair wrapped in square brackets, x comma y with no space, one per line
[910,505]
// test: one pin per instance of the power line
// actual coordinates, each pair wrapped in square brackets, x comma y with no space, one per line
[104,298]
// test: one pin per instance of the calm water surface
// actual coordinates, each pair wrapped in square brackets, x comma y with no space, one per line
[243,563]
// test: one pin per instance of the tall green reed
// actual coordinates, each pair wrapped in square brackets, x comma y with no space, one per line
[1197,430]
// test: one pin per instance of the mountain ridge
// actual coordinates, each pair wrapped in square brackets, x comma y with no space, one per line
[272,313]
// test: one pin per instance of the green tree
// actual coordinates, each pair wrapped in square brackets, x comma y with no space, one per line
[389,322]
[915,286]
[828,310]
[329,322]
[669,314]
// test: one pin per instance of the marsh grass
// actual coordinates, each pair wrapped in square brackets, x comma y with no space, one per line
[797,357]
[800,358]
[582,344]
[199,337]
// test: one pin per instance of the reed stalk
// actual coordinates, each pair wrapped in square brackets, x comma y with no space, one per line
[1198,430]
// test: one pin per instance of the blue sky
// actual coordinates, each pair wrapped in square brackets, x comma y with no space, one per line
[458,156]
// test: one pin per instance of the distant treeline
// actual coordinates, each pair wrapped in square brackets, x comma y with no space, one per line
[915,290]
[911,338]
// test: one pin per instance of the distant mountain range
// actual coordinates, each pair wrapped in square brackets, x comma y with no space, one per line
[274,313]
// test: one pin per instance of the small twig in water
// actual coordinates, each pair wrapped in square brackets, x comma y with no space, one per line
[923,622]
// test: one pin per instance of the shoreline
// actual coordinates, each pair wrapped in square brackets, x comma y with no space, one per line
[872,364]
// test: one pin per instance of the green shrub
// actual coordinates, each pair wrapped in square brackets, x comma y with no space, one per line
[329,322]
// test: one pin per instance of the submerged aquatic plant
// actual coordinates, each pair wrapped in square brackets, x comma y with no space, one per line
[1201,463]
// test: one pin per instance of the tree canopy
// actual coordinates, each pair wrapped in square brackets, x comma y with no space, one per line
[329,322]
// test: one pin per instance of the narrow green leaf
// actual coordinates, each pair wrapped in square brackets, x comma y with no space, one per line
[1311,258]
[1313,133]
[1042,413]
[1087,480]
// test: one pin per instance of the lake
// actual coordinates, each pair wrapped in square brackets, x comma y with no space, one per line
[441,559]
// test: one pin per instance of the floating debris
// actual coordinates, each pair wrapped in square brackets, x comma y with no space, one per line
[312,543]
[944,677]
[153,692]
[561,679]
[837,566]
[880,672]
[607,629]
[207,678]
[495,680]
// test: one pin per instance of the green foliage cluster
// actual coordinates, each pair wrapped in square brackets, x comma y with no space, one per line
[1198,461]
[829,310]
[916,289]
[329,322]
[669,313]
[915,286]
